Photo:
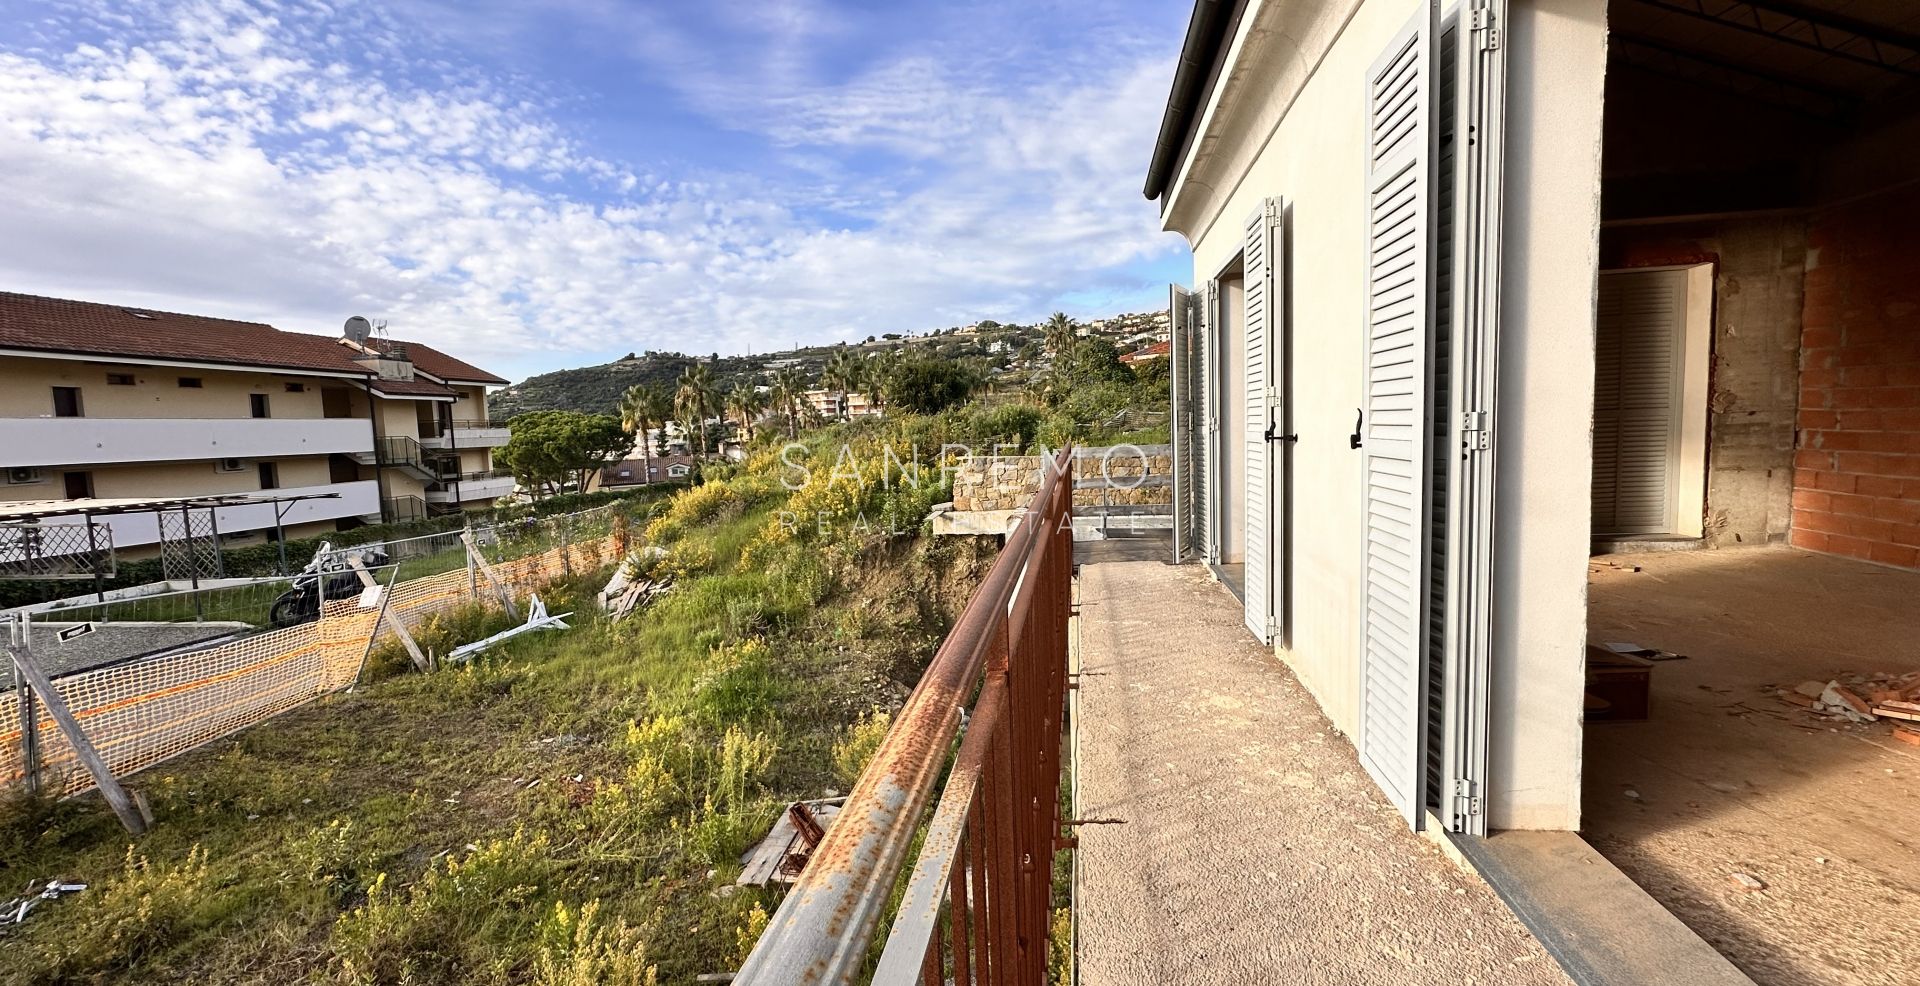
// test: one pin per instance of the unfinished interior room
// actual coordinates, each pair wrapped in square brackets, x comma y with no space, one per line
[1752,738]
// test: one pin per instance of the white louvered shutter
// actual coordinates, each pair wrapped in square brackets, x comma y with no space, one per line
[1394,433]
[1207,477]
[1182,360]
[1638,339]
[1262,318]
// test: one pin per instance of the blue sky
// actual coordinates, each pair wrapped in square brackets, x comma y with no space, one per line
[546,185]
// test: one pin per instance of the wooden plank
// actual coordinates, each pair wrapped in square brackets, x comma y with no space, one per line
[1898,710]
[399,623]
[123,806]
[486,569]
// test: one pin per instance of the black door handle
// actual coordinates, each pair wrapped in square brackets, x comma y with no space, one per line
[1353,440]
[1271,437]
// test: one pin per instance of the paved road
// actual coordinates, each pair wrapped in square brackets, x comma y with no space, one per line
[1255,849]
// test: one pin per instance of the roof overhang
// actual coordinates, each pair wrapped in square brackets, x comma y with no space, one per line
[383,395]
[128,360]
[1203,52]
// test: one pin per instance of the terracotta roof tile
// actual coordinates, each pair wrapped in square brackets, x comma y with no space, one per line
[439,364]
[61,326]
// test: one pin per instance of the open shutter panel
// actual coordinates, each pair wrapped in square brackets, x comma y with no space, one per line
[1258,497]
[1639,340]
[1186,409]
[1481,99]
[1207,475]
[1399,218]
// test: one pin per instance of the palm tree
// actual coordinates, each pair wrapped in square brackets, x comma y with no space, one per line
[642,407]
[789,389]
[696,399]
[746,401]
[842,374]
[1060,334]
[880,372]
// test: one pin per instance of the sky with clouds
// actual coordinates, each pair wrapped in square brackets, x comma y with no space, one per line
[539,185]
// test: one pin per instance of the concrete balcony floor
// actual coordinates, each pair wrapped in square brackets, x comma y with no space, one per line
[1254,849]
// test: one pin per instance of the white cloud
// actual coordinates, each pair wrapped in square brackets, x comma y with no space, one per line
[237,160]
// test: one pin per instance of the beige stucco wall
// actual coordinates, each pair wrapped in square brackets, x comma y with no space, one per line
[1549,269]
[26,391]
[1314,157]
[472,405]
[158,479]
[398,418]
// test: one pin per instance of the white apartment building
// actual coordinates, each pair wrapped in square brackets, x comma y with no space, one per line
[826,403]
[105,401]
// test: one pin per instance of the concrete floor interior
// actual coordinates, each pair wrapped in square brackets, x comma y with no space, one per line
[1724,778]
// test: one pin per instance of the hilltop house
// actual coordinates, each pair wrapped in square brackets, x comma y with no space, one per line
[106,401]
[642,471]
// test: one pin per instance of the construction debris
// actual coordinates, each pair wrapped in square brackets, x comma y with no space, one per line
[537,619]
[624,594]
[15,911]
[1645,653]
[783,853]
[1747,883]
[636,596]
[1862,699]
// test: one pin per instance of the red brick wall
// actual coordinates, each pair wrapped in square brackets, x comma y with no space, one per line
[1857,459]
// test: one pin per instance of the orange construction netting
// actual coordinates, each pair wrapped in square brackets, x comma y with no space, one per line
[142,713]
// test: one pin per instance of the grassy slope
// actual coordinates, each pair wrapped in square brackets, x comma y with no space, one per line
[430,829]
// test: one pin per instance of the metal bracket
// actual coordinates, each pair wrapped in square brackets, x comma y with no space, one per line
[1474,435]
[1465,802]
[1481,23]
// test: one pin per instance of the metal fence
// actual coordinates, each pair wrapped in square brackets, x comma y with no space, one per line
[141,712]
[977,902]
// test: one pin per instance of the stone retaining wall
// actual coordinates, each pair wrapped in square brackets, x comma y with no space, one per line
[1132,476]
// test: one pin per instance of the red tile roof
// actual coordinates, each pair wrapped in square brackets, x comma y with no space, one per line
[1157,349]
[433,362]
[60,326]
[56,325]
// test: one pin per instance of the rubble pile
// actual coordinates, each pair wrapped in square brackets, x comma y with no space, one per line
[1863,698]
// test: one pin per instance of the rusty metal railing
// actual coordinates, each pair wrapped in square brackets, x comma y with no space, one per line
[977,905]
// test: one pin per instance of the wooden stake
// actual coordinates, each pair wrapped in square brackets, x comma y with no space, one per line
[506,595]
[110,788]
[399,623]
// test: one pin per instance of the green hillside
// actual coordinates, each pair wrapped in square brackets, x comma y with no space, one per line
[992,346]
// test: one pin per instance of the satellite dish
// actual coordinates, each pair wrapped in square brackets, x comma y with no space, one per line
[358,329]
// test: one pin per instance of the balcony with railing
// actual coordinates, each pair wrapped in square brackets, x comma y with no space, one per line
[399,509]
[463,433]
[85,441]
[976,904]
[468,487]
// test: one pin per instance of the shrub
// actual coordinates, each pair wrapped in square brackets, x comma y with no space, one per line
[137,915]
[577,949]
[858,743]
[457,920]
[737,681]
